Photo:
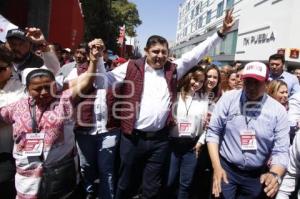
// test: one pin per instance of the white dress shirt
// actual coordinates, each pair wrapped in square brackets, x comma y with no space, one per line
[155,99]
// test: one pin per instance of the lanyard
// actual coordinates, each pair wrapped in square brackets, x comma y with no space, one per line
[34,122]
[188,108]
[247,121]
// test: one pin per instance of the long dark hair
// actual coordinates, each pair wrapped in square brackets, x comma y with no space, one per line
[216,91]
[184,82]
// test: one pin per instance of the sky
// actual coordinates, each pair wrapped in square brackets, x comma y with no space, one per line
[158,17]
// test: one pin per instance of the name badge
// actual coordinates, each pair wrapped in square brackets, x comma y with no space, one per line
[185,128]
[34,144]
[248,140]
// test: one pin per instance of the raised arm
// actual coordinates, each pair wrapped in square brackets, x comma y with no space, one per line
[48,53]
[192,58]
[110,77]
[84,82]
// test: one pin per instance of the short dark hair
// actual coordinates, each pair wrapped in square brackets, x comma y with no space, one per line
[276,57]
[85,46]
[156,39]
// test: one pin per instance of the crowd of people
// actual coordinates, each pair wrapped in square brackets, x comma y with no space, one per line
[95,125]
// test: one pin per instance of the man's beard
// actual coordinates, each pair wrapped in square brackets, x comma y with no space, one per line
[19,59]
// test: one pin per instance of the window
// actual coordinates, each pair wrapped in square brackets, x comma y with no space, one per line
[220,9]
[229,4]
[208,16]
[192,14]
[197,10]
[201,6]
[226,47]
[195,25]
[200,22]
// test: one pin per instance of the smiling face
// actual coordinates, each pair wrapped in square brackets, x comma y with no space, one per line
[157,55]
[282,95]
[196,82]
[212,79]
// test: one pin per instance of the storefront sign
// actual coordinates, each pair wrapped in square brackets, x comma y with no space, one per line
[259,39]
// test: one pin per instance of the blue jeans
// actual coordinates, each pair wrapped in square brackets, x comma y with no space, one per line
[183,163]
[142,158]
[97,155]
[242,184]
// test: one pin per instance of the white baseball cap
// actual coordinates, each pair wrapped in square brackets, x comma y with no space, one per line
[256,70]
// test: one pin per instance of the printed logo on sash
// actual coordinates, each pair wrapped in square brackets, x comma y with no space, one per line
[248,140]
[34,144]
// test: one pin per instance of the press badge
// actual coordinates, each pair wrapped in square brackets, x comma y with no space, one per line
[248,140]
[185,128]
[34,144]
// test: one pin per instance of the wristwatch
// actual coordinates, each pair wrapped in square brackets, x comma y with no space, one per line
[278,178]
[221,35]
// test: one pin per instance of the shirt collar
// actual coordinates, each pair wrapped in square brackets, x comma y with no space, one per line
[253,108]
[281,76]
[150,69]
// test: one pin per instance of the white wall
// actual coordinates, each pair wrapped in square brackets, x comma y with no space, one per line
[281,19]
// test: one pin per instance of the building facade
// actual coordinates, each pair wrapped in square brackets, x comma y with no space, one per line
[262,28]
